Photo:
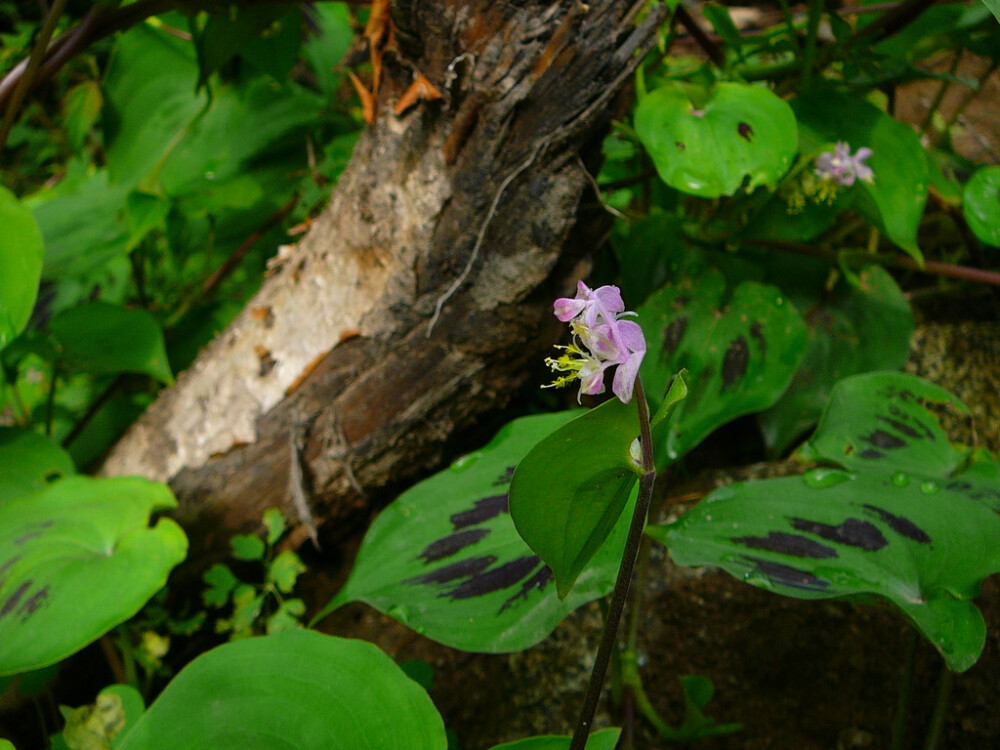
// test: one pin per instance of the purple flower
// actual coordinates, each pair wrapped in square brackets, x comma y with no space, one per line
[601,339]
[843,168]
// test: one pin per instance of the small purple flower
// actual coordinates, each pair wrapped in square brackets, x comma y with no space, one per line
[601,339]
[843,168]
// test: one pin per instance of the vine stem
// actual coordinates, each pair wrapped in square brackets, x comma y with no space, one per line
[609,635]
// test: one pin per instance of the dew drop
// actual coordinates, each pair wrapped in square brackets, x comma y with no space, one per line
[901,479]
[756,578]
[821,479]
[464,462]
[929,487]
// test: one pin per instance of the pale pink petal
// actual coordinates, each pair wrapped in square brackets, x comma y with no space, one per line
[566,309]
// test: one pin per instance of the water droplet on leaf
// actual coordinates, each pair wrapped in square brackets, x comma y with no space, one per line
[929,487]
[822,479]
[901,479]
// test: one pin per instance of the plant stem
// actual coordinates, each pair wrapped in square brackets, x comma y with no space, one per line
[609,635]
[905,692]
[812,32]
[942,90]
[940,709]
[34,62]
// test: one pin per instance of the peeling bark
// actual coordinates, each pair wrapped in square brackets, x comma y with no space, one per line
[417,301]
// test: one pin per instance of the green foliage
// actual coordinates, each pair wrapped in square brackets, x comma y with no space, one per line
[603,739]
[446,560]
[257,607]
[79,557]
[899,520]
[103,724]
[736,137]
[569,491]
[857,327]
[740,349]
[298,688]
[895,200]
[102,338]
[981,204]
[29,462]
[20,265]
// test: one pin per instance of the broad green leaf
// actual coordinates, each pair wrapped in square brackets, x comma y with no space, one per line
[981,204]
[29,461]
[740,353]
[446,560]
[82,225]
[722,22]
[852,330]
[568,492]
[742,137]
[602,739]
[247,547]
[77,558]
[7,745]
[99,337]
[879,420]
[895,200]
[144,213]
[21,253]
[295,689]
[228,32]
[835,533]
[646,254]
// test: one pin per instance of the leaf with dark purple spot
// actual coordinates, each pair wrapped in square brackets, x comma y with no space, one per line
[787,544]
[446,560]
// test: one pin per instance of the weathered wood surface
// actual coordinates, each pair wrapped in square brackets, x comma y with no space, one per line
[465,211]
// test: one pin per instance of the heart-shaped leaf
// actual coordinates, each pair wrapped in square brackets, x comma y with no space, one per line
[743,136]
[981,204]
[853,330]
[906,524]
[29,461]
[569,491]
[895,199]
[76,559]
[296,689]
[21,254]
[740,353]
[100,337]
[446,560]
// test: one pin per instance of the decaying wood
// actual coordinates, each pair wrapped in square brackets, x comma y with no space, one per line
[420,298]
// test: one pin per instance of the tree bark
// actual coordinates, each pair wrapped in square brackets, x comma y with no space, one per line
[420,298]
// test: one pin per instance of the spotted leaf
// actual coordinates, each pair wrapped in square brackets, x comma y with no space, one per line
[77,558]
[740,351]
[916,524]
[446,560]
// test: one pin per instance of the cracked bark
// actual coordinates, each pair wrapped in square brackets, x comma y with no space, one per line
[468,211]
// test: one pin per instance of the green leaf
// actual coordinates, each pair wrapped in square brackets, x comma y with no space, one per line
[568,492]
[221,582]
[82,225]
[144,213]
[981,205]
[81,108]
[296,689]
[103,724]
[29,461]
[994,6]
[742,137]
[228,32]
[247,604]
[247,547]
[325,51]
[833,533]
[602,739]
[853,330]
[287,616]
[76,559]
[903,521]
[740,353]
[722,22]
[21,253]
[446,560]
[879,420]
[284,570]
[99,337]
[895,200]
[274,522]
